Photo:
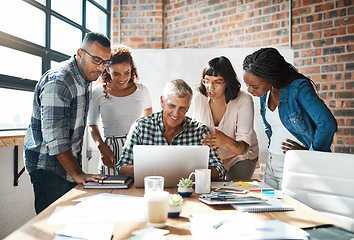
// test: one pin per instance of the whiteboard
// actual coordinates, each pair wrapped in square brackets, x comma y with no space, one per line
[158,66]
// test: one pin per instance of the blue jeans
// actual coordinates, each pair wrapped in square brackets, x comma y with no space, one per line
[48,187]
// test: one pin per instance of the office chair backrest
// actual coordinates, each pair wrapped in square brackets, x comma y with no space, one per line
[323,181]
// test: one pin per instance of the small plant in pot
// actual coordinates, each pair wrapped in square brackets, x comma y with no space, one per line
[175,205]
[185,187]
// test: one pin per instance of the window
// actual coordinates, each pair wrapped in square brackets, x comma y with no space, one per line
[23,20]
[64,45]
[35,37]
[95,19]
[74,12]
[18,108]
[20,64]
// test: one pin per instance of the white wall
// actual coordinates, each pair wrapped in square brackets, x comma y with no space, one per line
[158,66]
[16,203]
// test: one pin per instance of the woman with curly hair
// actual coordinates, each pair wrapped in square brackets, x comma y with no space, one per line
[119,100]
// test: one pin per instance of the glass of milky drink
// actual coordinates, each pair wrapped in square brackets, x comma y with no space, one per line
[156,208]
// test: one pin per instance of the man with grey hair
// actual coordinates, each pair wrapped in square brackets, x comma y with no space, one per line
[170,126]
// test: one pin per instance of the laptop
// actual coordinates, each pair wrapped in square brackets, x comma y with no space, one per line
[173,162]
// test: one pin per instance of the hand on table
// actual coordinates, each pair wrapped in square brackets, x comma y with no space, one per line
[84,178]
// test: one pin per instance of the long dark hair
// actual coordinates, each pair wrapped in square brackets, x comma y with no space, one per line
[269,65]
[119,55]
[223,67]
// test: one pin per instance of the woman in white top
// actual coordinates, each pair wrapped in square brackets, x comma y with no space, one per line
[228,112]
[119,100]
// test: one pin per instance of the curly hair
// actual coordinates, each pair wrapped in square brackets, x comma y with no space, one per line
[221,66]
[269,65]
[119,55]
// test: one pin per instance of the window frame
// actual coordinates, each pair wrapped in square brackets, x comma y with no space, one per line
[46,53]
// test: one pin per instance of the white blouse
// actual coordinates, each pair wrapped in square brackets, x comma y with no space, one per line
[236,123]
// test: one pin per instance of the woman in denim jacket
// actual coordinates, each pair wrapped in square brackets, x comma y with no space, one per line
[293,115]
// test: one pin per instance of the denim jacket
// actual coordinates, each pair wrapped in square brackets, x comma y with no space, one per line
[304,115]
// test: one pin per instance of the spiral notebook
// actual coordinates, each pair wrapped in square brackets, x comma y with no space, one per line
[272,205]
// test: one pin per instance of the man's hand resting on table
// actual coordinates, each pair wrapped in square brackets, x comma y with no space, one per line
[84,178]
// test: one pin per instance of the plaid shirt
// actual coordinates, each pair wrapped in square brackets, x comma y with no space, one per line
[60,108]
[149,131]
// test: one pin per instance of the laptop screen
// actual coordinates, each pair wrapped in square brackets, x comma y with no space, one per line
[173,162]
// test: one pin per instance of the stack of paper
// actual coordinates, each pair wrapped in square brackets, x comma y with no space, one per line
[92,231]
[93,217]
[101,208]
[241,226]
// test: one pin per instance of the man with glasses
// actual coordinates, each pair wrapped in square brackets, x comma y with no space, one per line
[170,126]
[54,138]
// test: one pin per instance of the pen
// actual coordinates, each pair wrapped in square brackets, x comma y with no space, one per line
[68,236]
[222,196]
[230,190]
[216,226]
[216,195]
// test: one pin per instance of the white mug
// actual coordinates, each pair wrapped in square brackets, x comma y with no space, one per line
[202,180]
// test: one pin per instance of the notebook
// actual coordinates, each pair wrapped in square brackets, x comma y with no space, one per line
[173,162]
[98,185]
[272,205]
[114,179]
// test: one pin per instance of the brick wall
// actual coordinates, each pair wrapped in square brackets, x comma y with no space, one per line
[322,35]
[323,39]
[141,23]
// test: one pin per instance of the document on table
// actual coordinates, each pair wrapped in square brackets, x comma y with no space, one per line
[101,208]
[91,231]
[241,226]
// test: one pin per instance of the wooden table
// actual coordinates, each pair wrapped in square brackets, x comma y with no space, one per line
[37,228]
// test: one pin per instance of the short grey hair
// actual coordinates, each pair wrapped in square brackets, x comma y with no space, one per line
[179,88]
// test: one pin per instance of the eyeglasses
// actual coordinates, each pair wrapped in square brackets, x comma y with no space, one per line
[98,60]
[215,84]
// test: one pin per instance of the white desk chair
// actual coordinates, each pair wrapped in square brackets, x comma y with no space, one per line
[323,181]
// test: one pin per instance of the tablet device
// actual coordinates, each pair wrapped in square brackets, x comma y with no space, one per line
[231,200]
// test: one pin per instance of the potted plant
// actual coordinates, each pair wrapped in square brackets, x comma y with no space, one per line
[175,205]
[185,187]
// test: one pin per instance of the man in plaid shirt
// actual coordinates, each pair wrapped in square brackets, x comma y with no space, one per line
[54,138]
[171,126]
